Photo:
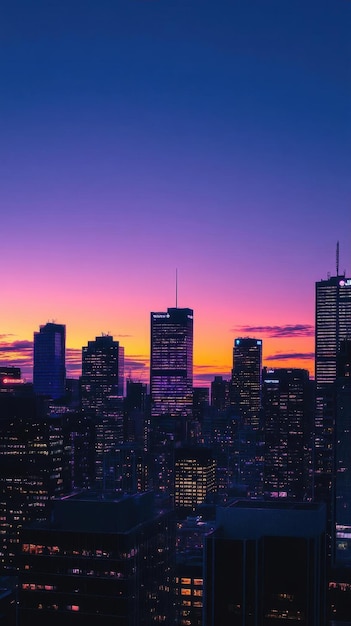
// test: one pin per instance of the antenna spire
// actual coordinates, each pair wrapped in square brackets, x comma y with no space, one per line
[337,258]
[176,288]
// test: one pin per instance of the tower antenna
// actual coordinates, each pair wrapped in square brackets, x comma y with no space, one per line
[337,258]
[176,288]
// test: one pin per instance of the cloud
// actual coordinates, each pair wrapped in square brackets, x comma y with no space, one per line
[16,346]
[287,330]
[290,356]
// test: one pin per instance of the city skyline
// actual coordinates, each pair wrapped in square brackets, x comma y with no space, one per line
[144,138]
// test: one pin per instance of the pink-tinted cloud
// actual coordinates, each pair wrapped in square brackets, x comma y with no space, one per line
[286,330]
[290,356]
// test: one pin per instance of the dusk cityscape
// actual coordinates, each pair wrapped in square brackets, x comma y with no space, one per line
[175,341]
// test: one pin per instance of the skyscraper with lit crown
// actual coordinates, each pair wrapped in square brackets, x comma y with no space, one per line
[246,379]
[171,371]
[333,325]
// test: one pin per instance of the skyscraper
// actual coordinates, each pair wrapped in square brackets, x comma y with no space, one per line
[246,379]
[102,385]
[171,371]
[49,373]
[102,373]
[333,324]
[286,400]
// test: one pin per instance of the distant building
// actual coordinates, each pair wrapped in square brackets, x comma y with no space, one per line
[101,561]
[102,373]
[246,380]
[201,401]
[287,417]
[171,368]
[220,393]
[49,371]
[194,476]
[265,565]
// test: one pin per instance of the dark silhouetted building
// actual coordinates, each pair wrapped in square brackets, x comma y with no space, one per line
[34,467]
[102,374]
[220,393]
[265,565]
[100,561]
[342,546]
[49,371]
[287,415]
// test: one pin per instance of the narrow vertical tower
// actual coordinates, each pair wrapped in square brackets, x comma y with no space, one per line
[49,372]
[171,371]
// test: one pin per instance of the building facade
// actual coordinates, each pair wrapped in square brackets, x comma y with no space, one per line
[102,561]
[265,565]
[171,368]
[49,371]
[246,380]
[287,418]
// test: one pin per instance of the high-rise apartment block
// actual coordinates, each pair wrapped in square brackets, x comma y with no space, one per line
[171,371]
[246,380]
[49,372]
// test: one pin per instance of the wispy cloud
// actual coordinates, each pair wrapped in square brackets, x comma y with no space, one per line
[290,356]
[16,346]
[287,330]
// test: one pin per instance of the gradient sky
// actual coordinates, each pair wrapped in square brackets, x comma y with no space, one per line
[141,136]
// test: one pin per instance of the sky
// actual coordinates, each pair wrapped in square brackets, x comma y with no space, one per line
[145,138]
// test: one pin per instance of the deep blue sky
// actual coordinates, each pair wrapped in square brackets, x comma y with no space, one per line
[141,136]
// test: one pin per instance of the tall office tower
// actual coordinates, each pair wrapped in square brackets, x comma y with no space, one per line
[171,371]
[49,372]
[342,546]
[246,380]
[194,477]
[264,565]
[287,411]
[100,561]
[333,325]
[102,373]
[101,397]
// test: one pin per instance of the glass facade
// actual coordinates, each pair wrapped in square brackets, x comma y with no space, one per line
[49,372]
[333,324]
[171,371]
[246,379]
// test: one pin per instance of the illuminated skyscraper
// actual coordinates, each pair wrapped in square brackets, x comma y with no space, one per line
[49,373]
[246,380]
[333,325]
[171,371]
